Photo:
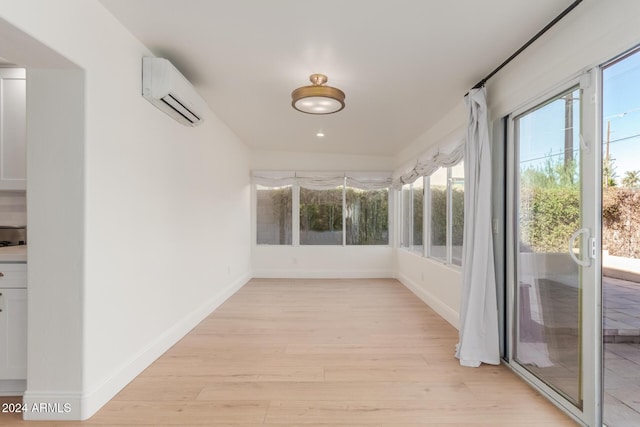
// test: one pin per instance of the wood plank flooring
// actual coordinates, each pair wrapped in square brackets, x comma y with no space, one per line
[321,353]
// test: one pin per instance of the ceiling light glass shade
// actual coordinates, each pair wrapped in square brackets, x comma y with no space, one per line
[318,98]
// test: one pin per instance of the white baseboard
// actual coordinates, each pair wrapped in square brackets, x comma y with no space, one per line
[83,405]
[323,274]
[12,387]
[447,313]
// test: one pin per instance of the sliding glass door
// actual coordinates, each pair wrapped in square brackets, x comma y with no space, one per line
[553,261]
[621,239]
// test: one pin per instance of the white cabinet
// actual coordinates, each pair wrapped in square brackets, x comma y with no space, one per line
[13,322]
[13,334]
[13,113]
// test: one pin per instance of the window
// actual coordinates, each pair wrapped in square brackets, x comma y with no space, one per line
[457,213]
[406,216]
[367,216]
[322,208]
[412,216]
[321,216]
[444,194]
[417,197]
[438,217]
[273,215]
[446,214]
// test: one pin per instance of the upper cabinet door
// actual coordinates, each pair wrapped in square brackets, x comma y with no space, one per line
[13,165]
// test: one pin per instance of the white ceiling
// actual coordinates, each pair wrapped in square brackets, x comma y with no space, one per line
[5,63]
[403,64]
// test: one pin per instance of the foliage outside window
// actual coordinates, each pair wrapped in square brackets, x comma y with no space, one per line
[418,222]
[406,216]
[549,160]
[412,216]
[367,217]
[321,216]
[438,217]
[274,215]
[446,221]
[349,210]
[457,213]
[549,204]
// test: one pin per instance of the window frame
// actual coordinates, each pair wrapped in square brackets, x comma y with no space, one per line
[428,250]
[401,222]
[410,247]
[295,218]
[344,216]
[342,231]
[254,191]
[426,218]
[449,217]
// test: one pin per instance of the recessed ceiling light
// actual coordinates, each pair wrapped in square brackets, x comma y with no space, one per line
[320,134]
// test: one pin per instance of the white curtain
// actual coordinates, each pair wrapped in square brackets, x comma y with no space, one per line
[323,180]
[320,180]
[439,157]
[274,178]
[368,180]
[479,336]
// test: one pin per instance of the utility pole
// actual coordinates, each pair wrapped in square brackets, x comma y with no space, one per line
[568,129]
[607,159]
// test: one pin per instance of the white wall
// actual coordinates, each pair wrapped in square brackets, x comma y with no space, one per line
[319,261]
[287,160]
[435,283]
[55,249]
[593,33]
[13,208]
[158,214]
[323,261]
[590,35]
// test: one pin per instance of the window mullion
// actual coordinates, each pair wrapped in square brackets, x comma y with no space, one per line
[391,218]
[449,217]
[254,213]
[410,246]
[427,216]
[424,216]
[295,212]
[344,212]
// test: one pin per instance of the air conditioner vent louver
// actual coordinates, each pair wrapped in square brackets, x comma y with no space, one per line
[180,109]
[171,92]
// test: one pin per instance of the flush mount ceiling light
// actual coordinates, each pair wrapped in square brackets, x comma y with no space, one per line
[318,98]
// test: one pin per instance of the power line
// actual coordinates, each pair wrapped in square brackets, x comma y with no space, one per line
[623,114]
[625,138]
[561,153]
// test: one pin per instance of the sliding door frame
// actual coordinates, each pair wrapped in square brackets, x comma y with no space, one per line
[589,84]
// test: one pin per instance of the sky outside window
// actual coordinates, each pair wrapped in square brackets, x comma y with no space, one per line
[621,109]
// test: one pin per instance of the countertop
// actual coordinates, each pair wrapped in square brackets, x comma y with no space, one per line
[13,253]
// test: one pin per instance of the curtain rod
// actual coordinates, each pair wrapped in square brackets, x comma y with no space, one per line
[529,43]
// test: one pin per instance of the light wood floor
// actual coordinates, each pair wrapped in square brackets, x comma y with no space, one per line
[322,353]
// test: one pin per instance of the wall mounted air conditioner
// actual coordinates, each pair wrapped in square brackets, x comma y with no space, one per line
[171,92]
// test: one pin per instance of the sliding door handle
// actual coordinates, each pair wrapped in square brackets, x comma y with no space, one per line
[572,241]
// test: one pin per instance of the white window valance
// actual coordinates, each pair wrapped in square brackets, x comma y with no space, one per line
[368,180]
[323,180]
[274,178]
[319,180]
[444,156]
